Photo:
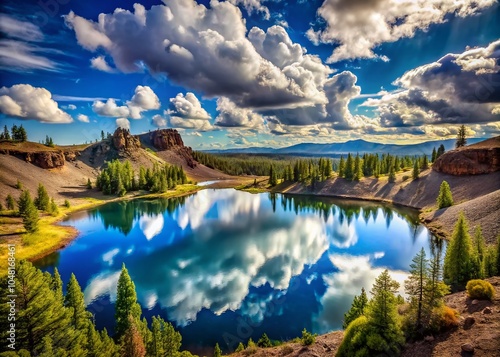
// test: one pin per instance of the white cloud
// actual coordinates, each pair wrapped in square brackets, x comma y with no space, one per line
[71,107]
[100,64]
[359,26]
[159,121]
[230,115]
[143,99]
[186,112]
[22,30]
[27,102]
[253,6]
[110,109]
[83,118]
[123,123]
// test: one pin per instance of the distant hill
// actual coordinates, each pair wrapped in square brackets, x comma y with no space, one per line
[353,146]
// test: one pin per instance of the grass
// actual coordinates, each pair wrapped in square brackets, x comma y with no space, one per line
[50,236]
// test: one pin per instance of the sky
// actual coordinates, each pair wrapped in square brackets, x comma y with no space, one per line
[243,73]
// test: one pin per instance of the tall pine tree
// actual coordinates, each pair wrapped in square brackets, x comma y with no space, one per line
[126,303]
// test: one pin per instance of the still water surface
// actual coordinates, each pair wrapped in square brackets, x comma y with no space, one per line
[224,265]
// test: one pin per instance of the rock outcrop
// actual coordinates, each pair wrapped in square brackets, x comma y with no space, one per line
[166,139]
[46,159]
[123,141]
[470,160]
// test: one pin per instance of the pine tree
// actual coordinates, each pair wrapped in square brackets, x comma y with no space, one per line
[444,199]
[341,166]
[425,162]
[53,209]
[358,173]
[434,155]
[479,244]
[440,151]
[165,341]
[89,184]
[40,314]
[23,136]
[30,214]
[132,343]
[22,203]
[416,170]
[349,168]
[9,201]
[273,181]
[217,351]
[392,174]
[74,300]
[102,135]
[6,134]
[56,285]
[240,347]
[357,309]
[264,341]
[42,201]
[126,303]
[436,289]
[459,254]
[461,137]
[416,283]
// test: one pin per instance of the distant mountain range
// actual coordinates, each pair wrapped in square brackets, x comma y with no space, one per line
[354,146]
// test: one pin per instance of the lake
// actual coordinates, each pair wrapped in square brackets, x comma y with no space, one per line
[225,265]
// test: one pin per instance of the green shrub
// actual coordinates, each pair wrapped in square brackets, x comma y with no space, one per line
[264,341]
[240,347]
[67,204]
[480,289]
[307,338]
[354,342]
[286,350]
[443,318]
[405,177]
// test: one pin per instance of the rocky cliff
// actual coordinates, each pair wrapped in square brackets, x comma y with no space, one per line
[46,159]
[123,141]
[471,160]
[170,139]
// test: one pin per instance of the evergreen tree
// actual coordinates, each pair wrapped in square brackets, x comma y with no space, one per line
[53,209]
[392,174]
[416,170]
[40,314]
[217,351]
[9,201]
[89,184]
[29,213]
[341,166]
[132,343]
[358,173]
[264,341]
[436,289]
[349,168]
[440,151]
[459,255]
[19,185]
[444,199]
[126,303]
[434,155]
[240,347]
[165,341]
[382,315]
[22,203]
[461,137]
[357,309]
[74,300]
[22,135]
[416,283]
[479,244]
[102,135]
[42,200]
[6,134]
[273,181]
[425,162]
[56,285]
[142,178]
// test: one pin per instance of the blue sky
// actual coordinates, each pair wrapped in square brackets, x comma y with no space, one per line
[252,72]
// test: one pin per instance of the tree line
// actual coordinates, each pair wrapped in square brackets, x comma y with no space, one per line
[18,133]
[119,178]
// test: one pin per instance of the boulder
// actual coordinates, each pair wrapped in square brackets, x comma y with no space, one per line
[46,159]
[487,310]
[467,347]
[469,161]
[468,322]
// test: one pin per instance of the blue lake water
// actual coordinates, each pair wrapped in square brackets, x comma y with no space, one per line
[224,265]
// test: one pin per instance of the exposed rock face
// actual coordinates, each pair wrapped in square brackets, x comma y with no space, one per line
[46,159]
[469,161]
[166,139]
[71,155]
[170,139]
[124,141]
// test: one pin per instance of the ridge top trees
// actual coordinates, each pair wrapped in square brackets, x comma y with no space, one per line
[461,137]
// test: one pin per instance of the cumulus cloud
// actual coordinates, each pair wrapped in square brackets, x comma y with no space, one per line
[71,107]
[110,109]
[123,123]
[213,57]
[253,6]
[456,89]
[358,26]
[159,121]
[24,101]
[186,112]
[100,64]
[143,99]
[230,115]
[83,118]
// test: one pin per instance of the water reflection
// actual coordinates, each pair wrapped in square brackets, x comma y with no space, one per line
[211,260]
